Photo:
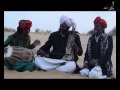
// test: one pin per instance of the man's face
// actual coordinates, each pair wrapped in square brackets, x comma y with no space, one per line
[26,32]
[98,29]
[64,28]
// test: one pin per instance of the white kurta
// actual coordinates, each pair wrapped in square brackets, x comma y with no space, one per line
[57,64]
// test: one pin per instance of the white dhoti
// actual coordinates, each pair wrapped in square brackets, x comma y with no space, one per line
[57,64]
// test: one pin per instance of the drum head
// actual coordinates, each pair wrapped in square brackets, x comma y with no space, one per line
[8,51]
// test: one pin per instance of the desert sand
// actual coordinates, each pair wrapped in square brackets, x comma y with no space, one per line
[53,74]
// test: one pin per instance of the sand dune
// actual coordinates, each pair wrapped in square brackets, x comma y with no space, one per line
[53,74]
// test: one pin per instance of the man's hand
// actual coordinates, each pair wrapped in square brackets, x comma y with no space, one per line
[74,46]
[85,66]
[93,61]
[36,42]
[41,53]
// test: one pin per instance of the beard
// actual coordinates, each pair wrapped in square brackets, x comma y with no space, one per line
[64,31]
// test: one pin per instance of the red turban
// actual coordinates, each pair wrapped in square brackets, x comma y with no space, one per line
[25,24]
[101,21]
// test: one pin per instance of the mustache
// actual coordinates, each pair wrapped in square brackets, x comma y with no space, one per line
[64,31]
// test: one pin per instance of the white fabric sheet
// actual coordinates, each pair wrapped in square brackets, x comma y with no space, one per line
[95,72]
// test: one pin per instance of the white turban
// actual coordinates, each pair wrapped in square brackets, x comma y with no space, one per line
[70,22]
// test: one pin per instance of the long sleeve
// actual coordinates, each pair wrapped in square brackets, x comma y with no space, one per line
[79,49]
[86,58]
[31,46]
[102,60]
[7,42]
[27,43]
[48,44]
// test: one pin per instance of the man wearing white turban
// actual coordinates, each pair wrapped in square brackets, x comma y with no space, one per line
[69,21]
[59,41]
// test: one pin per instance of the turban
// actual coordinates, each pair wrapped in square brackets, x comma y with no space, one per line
[101,21]
[25,24]
[70,22]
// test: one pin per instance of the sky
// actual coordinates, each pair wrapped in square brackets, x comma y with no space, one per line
[50,20]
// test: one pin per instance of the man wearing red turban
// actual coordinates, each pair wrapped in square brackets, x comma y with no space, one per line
[21,36]
[99,49]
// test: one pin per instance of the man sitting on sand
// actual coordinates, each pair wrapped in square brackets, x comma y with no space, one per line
[66,47]
[20,38]
[99,49]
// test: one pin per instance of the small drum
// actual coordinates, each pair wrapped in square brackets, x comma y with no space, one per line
[17,53]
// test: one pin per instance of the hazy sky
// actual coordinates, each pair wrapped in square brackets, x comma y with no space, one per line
[49,20]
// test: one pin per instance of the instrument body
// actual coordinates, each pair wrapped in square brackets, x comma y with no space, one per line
[69,55]
[17,53]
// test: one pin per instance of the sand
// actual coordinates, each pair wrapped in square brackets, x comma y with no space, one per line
[53,74]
